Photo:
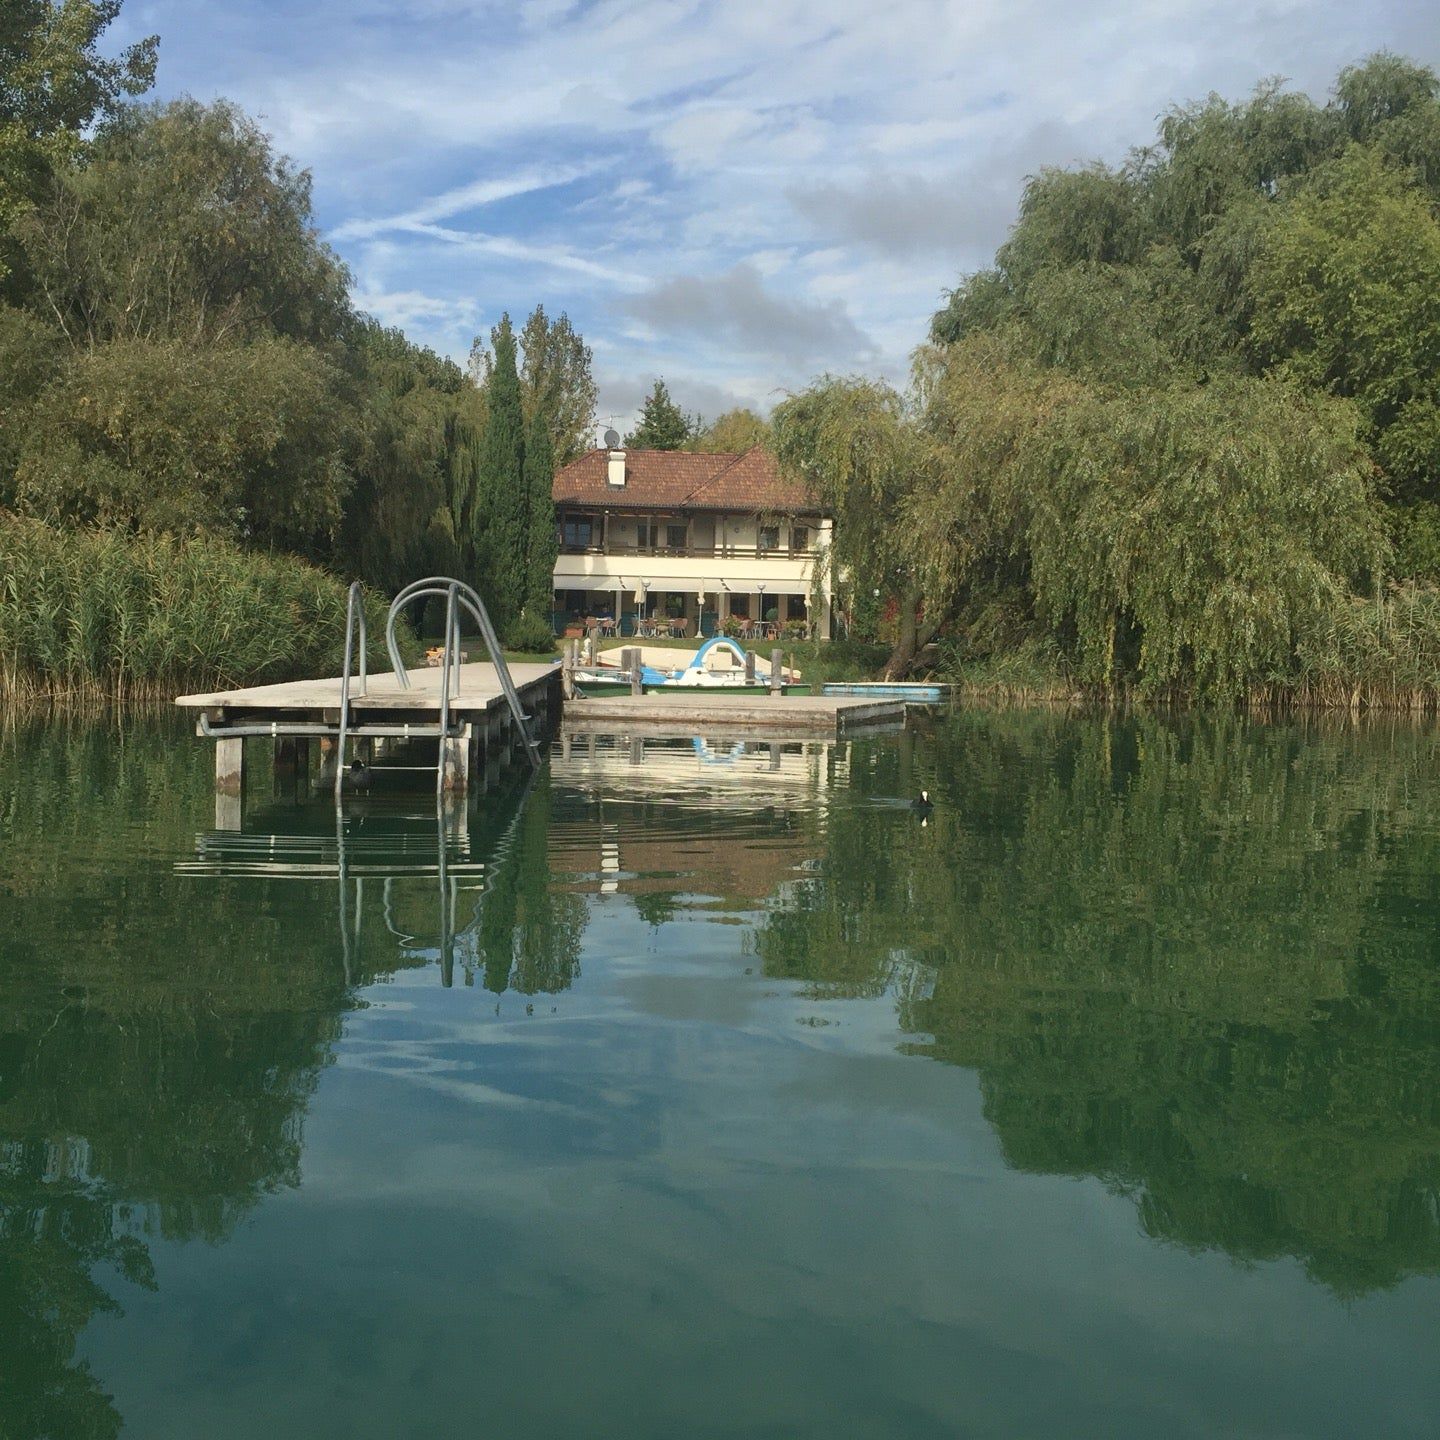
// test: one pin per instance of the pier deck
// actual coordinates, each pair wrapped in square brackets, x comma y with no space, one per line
[479,691]
[715,713]
[482,731]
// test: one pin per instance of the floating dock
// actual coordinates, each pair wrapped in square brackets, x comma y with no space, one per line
[482,729]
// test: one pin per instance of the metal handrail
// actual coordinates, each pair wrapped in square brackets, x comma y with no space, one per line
[354,610]
[464,595]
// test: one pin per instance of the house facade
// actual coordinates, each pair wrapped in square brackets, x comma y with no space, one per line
[650,535]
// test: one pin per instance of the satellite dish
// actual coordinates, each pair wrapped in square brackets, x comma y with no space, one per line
[612,439]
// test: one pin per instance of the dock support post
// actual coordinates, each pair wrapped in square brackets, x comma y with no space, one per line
[637,683]
[455,763]
[749,667]
[230,765]
[777,671]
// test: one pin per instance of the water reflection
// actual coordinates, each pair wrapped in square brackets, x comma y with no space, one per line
[1195,960]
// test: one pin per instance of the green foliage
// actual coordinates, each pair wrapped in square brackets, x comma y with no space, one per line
[55,84]
[556,382]
[503,512]
[411,510]
[1140,415]
[31,353]
[529,634]
[663,424]
[247,441]
[1346,298]
[542,542]
[182,223]
[99,613]
[732,433]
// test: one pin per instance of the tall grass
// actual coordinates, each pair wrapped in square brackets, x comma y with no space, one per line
[1375,654]
[101,615]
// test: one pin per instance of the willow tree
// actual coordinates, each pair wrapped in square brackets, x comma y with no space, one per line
[855,444]
[1181,538]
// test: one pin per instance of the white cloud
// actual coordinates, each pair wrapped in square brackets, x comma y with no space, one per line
[729,192]
[462,198]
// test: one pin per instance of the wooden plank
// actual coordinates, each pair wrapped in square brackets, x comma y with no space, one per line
[479,689]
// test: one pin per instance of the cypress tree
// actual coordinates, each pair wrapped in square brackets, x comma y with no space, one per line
[503,512]
[542,544]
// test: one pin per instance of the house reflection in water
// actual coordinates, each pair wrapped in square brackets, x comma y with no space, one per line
[728,819]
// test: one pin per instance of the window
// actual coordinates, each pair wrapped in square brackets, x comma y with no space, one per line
[675,537]
[644,534]
[578,532]
[800,539]
[769,538]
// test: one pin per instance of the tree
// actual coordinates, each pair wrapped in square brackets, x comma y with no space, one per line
[54,84]
[420,420]
[556,382]
[733,432]
[663,425]
[503,513]
[249,441]
[184,223]
[1345,294]
[855,444]
[541,542]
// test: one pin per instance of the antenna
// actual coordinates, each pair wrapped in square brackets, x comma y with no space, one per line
[612,439]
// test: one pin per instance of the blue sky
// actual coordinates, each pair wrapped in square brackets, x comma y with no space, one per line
[737,196]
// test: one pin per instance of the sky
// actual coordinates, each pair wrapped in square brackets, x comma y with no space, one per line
[737,196]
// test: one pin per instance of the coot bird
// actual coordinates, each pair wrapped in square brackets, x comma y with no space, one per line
[357,777]
[922,804]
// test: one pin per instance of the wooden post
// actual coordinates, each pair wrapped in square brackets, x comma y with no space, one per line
[572,658]
[749,667]
[632,664]
[777,671]
[230,766]
[455,762]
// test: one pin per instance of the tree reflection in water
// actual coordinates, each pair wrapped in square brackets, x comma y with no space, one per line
[157,1056]
[1184,956]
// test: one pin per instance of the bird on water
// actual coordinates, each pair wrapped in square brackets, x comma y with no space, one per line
[922,804]
[358,775]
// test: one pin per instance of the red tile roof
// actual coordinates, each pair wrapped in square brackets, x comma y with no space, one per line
[677,480]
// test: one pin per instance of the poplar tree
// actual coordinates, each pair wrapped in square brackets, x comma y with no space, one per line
[501,523]
[542,545]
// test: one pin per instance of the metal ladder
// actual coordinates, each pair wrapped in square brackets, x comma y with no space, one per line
[456,594]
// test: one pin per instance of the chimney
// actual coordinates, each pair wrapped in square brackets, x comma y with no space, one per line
[615,469]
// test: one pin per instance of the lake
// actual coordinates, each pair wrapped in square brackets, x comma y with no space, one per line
[703,1090]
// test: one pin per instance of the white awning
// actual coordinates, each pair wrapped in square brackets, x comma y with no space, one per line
[711,589]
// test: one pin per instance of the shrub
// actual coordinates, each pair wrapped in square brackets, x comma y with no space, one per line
[529,635]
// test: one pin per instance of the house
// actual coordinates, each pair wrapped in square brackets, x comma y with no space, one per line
[663,534]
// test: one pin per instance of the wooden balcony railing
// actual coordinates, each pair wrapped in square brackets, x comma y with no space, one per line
[695,552]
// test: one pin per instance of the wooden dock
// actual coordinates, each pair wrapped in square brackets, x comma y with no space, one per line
[293,713]
[483,736]
[684,713]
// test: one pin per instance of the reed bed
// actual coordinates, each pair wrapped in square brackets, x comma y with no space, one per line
[100,615]
[1380,654]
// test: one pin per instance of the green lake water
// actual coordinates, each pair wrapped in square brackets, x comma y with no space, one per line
[693,1091]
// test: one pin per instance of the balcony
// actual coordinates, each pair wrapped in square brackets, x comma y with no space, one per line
[695,552]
